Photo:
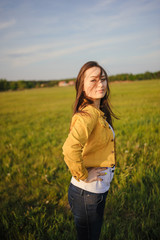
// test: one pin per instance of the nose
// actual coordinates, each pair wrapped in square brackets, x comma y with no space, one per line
[100,83]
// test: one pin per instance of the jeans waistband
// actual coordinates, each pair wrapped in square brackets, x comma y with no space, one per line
[81,191]
[77,189]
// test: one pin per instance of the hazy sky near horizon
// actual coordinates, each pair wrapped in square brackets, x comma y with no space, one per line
[49,39]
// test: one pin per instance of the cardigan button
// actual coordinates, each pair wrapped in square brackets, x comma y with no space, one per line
[112,151]
[112,140]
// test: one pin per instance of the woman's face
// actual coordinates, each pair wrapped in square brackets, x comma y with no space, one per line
[95,86]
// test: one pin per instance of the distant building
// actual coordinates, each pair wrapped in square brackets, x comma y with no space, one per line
[71,83]
[62,84]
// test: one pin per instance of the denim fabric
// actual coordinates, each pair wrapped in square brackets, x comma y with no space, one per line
[88,209]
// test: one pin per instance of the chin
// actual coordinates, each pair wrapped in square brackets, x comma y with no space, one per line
[100,96]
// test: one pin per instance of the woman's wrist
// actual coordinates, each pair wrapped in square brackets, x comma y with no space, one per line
[85,180]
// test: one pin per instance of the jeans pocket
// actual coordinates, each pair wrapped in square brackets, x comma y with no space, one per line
[94,199]
[100,199]
[95,204]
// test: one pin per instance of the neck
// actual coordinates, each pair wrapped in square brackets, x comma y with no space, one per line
[97,103]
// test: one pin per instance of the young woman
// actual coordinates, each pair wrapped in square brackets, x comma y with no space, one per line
[89,150]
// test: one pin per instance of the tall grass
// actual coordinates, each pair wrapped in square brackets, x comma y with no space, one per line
[34,178]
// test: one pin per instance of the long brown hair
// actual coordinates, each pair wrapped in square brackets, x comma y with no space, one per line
[105,105]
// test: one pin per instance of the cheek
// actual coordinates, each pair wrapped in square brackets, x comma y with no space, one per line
[105,85]
[88,88]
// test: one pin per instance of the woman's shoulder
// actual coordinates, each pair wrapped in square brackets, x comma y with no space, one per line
[91,109]
[87,115]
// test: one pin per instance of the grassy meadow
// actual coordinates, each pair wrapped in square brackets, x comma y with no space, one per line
[34,178]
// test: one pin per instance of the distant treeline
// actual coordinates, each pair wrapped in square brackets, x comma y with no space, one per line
[27,84]
[134,77]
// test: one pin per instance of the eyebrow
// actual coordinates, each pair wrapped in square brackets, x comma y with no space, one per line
[97,76]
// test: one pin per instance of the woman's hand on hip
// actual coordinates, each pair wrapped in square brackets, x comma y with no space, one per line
[94,174]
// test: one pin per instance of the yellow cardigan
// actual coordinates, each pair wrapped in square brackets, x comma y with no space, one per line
[89,143]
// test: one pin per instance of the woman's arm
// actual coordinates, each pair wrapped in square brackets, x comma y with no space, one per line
[74,144]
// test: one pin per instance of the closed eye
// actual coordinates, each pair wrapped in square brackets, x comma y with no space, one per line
[103,79]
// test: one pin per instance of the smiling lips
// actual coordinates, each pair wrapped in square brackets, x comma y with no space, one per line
[100,91]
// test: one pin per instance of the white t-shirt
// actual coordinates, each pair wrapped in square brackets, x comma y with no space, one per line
[97,186]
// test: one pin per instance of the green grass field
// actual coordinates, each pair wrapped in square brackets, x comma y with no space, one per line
[34,178]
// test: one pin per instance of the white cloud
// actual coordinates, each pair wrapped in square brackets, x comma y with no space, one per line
[32,54]
[7,24]
[98,6]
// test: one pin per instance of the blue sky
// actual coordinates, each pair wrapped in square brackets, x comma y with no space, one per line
[52,39]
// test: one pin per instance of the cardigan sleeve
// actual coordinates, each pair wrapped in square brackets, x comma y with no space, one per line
[81,127]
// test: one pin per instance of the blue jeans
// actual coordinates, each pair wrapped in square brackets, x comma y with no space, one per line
[88,209]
